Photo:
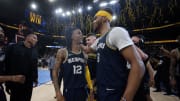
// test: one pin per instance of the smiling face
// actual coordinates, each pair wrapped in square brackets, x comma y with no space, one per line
[77,35]
[97,23]
[90,40]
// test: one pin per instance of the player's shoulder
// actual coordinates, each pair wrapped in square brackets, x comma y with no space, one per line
[118,32]
[118,29]
[62,52]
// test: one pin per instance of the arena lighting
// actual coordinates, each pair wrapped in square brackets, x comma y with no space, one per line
[54,46]
[161,41]
[51,0]
[68,13]
[63,14]
[114,17]
[113,2]
[59,10]
[73,12]
[80,10]
[103,4]
[89,8]
[94,1]
[33,6]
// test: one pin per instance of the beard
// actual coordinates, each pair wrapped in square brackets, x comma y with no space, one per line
[96,27]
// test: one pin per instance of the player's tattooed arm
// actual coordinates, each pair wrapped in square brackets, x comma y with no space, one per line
[59,60]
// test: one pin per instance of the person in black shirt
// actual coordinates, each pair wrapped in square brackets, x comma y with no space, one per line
[21,59]
[3,76]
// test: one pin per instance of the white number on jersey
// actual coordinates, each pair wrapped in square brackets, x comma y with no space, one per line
[77,69]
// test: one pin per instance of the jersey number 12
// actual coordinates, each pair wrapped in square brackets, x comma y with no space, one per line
[77,69]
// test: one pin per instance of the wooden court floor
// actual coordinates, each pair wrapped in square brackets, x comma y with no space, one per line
[46,92]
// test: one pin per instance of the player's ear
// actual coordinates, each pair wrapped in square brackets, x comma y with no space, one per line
[104,19]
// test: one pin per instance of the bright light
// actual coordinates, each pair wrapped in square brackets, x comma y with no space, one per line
[94,1]
[114,17]
[63,14]
[89,8]
[113,2]
[51,0]
[103,4]
[73,12]
[80,10]
[68,13]
[59,10]
[34,6]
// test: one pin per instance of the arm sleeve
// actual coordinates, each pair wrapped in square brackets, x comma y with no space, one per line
[88,78]
[119,38]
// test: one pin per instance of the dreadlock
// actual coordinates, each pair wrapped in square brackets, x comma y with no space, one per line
[68,37]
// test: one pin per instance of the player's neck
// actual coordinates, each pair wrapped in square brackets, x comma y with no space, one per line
[76,47]
[105,28]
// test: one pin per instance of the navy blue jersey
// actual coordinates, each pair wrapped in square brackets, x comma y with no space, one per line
[74,71]
[111,66]
[91,62]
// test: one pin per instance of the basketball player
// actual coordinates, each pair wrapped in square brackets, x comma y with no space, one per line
[72,61]
[114,48]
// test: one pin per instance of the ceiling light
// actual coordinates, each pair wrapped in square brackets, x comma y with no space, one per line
[73,12]
[80,10]
[113,2]
[94,1]
[103,4]
[63,14]
[89,8]
[34,6]
[59,10]
[68,13]
[51,0]
[114,17]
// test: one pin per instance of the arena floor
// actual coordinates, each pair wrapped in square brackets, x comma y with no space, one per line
[46,93]
[45,90]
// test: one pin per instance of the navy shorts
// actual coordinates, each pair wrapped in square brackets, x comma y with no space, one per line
[75,94]
[106,94]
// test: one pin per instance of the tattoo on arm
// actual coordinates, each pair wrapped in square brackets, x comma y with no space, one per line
[59,59]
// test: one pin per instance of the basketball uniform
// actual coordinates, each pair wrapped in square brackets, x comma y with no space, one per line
[112,73]
[74,77]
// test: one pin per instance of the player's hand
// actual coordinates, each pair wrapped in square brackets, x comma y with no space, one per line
[91,95]
[35,83]
[151,82]
[59,97]
[18,78]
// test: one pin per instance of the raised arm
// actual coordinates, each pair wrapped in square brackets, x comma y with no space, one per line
[60,57]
